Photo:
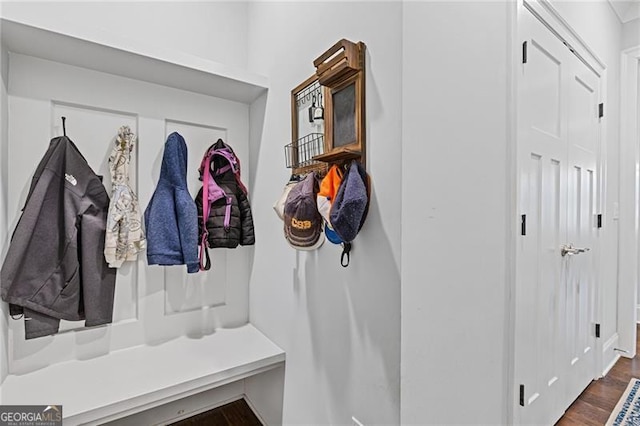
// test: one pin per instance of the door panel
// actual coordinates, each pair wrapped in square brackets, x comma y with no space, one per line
[546,66]
[557,149]
[543,185]
[583,137]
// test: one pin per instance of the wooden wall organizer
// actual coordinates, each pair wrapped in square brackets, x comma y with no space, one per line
[338,87]
[341,69]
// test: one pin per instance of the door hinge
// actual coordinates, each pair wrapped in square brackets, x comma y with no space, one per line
[523,225]
[600,110]
[522,395]
[599,221]
[524,52]
[598,331]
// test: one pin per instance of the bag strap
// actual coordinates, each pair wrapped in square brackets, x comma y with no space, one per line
[236,172]
[346,249]
[207,179]
[233,164]
[206,207]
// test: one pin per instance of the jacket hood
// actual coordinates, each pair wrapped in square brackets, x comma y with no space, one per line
[174,161]
[121,156]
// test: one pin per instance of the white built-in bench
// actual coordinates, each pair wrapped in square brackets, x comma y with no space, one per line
[136,379]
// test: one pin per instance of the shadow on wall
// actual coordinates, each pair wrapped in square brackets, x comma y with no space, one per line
[351,313]
[4,234]
[375,106]
[257,112]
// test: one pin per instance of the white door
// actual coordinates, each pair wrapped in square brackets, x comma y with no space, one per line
[558,139]
[583,138]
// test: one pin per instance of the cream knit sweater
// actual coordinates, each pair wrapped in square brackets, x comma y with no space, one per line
[124,237]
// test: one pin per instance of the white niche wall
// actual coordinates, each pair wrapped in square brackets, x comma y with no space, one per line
[182,343]
[153,304]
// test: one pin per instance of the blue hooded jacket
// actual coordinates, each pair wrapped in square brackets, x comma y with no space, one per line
[171,218]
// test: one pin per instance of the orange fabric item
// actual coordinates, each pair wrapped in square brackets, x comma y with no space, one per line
[331,182]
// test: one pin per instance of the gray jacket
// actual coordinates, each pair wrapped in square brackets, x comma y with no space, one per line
[55,267]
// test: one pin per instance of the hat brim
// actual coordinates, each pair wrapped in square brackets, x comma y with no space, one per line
[278,206]
[303,245]
[324,207]
[332,235]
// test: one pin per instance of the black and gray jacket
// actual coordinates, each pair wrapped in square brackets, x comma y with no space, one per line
[239,227]
[55,268]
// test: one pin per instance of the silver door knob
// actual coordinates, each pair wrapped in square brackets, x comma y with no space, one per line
[571,250]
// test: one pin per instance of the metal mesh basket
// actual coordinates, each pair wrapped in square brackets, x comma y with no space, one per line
[299,154]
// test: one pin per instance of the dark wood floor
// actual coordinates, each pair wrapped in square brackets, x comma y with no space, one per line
[236,413]
[596,403]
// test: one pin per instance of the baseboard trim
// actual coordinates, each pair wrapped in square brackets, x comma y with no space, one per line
[608,353]
[611,364]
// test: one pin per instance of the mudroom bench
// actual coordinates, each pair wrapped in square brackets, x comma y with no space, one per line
[132,380]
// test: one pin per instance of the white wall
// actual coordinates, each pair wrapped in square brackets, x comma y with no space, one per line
[211,30]
[454,206]
[4,75]
[631,34]
[339,327]
[454,238]
[630,39]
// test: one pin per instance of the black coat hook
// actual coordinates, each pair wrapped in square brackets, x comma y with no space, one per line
[64,128]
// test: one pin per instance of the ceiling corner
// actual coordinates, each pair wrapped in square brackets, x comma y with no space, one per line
[626,10]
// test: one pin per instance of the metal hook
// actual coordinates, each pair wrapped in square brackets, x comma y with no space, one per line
[64,127]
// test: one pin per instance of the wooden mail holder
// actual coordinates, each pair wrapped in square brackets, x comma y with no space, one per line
[336,134]
[341,71]
[342,60]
